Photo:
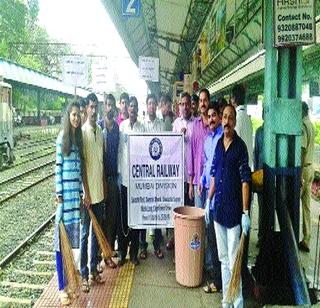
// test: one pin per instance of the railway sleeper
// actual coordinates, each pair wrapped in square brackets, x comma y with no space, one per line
[22,285]
[33,273]
[46,262]
[13,300]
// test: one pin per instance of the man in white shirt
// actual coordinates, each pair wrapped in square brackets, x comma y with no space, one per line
[94,190]
[125,235]
[244,125]
[183,124]
[152,124]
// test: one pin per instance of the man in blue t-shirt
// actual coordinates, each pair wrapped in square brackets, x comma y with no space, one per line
[110,132]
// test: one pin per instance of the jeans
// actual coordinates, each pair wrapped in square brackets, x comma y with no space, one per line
[112,211]
[199,201]
[97,210]
[228,240]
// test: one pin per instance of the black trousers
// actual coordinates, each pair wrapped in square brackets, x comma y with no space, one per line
[126,235]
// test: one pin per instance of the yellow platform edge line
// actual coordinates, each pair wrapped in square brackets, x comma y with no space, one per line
[123,284]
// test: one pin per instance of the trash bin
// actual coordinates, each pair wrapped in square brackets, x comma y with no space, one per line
[189,236]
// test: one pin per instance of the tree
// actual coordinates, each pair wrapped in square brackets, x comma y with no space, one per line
[23,41]
[13,26]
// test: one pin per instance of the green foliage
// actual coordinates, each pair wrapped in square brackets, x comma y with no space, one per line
[256,123]
[317,131]
[13,26]
[23,41]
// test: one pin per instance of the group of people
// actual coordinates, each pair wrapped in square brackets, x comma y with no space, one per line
[92,172]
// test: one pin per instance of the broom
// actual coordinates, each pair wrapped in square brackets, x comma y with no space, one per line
[103,243]
[234,283]
[70,270]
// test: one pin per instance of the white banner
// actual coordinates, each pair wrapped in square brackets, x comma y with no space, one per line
[75,71]
[149,68]
[294,22]
[156,170]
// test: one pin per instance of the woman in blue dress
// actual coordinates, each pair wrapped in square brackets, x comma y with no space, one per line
[68,182]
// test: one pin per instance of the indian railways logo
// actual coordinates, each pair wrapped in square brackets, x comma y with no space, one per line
[155,148]
[195,243]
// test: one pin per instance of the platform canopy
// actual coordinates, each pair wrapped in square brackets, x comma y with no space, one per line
[166,29]
[218,41]
[11,71]
[207,38]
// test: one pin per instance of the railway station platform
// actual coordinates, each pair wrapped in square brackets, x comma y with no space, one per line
[153,283]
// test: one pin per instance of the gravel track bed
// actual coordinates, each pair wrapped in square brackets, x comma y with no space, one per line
[24,262]
[34,131]
[21,215]
[23,145]
[34,149]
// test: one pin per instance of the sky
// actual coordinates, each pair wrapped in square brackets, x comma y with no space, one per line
[87,24]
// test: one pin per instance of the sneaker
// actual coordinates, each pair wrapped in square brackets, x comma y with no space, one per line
[64,298]
[85,285]
[99,268]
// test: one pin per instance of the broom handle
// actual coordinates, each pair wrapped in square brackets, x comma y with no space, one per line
[95,225]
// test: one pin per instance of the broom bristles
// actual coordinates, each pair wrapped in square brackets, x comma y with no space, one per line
[234,283]
[102,240]
[70,270]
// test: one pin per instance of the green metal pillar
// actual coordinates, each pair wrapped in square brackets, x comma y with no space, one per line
[282,141]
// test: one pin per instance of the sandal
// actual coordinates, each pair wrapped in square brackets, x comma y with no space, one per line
[170,244]
[110,263]
[97,278]
[159,254]
[64,298]
[143,255]
[210,288]
[85,286]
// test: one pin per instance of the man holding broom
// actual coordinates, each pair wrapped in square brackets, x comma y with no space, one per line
[230,176]
[94,190]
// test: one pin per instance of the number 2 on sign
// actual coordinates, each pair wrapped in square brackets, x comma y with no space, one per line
[130,9]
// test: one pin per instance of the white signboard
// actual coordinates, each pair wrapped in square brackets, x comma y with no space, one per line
[149,68]
[75,71]
[156,170]
[99,76]
[294,22]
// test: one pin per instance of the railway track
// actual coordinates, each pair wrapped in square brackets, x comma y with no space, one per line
[16,184]
[36,151]
[26,270]
[26,145]
[34,155]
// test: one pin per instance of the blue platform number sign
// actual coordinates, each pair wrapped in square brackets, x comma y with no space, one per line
[131,8]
